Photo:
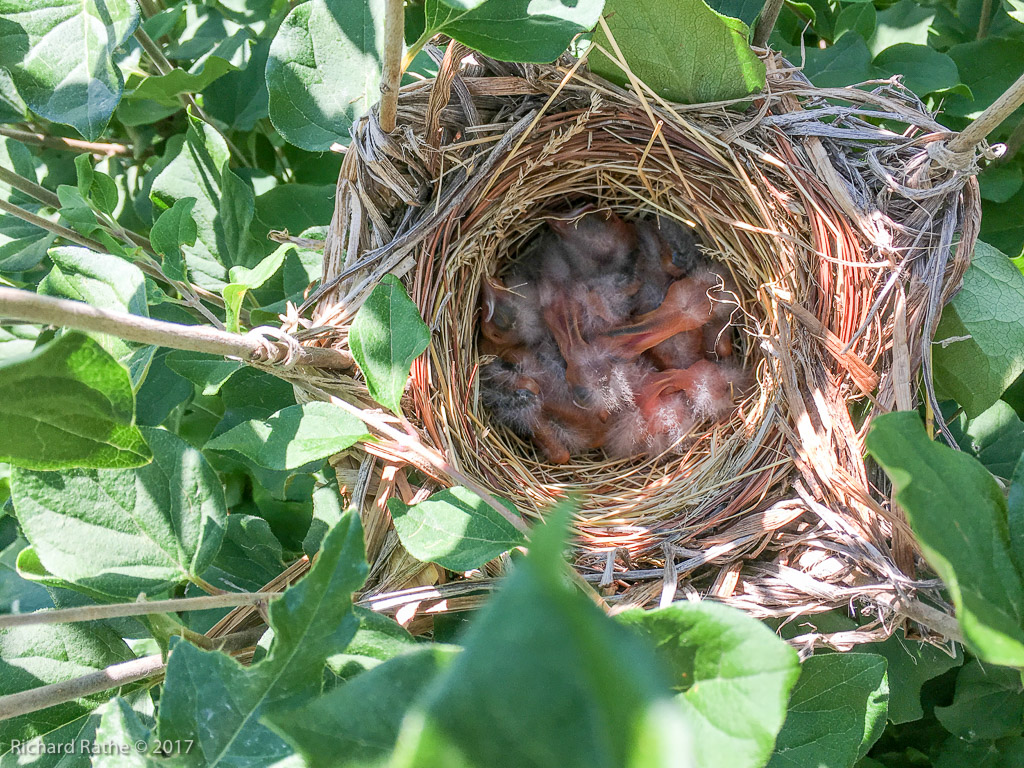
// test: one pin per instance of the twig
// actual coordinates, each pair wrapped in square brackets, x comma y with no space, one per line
[30,188]
[141,608]
[114,676]
[165,67]
[990,119]
[985,20]
[23,305]
[766,22]
[57,229]
[394,37]
[60,142]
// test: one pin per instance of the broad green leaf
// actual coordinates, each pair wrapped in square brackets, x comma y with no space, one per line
[1000,182]
[327,510]
[959,517]
[856,17]
[357,724]
[34,656]
[513,30]
[22,245]
[838,704]
[903,22]
[990,309]
[99,279]
[120,735]
[96,186]
[733,674]
[682,49]
[249,557]
[1004,753]
[44,750]
[1015,515]
[911,665]
[847,61]
[244,280]
[988,703]
[454,528]
[924,69]
[59,54]
[208,372]
[122,532]
[311,621]
[165,89]
[988,67]
[223,209]
[546,679]
[161,392]
[324,68]
[68,404]
[294,436]
[240,98]
[174,228]
[294,207]
[1002,226]
[996,438]
[386,335]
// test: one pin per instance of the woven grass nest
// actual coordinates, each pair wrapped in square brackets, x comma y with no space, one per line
[845,238]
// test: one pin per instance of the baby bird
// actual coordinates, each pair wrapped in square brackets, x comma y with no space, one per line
[687,307]
[660,419]
[710,387]
[596,243]
[514,400]
[683,257]
[510,317]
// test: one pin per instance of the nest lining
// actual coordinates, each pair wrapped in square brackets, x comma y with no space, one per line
[835,230]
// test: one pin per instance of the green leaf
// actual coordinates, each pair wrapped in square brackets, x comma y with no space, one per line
[249,557]
[207,372]
[1004,753]
[311,621]
[903,22]
[165,89]
[119,737]
[95,186]
[99,279]
[682,49]
[358,723]
[996,438]
[990,309]
[22,245]
[838,704]
[733,674]
[34,656]
[987,704]
[959,517]
[240,99]
[122,532]
[847,61]
[924,69]
[911,665]
[244,280]
[294,436]
[546,679]
[174,228]
[1000,182]
[454,528]
[324,68]
[59,54]
[386,335]
[857,17]
[223,209]
[514,30]
[68,404]
[988,67]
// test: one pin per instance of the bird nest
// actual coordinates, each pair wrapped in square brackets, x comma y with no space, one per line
[840,217]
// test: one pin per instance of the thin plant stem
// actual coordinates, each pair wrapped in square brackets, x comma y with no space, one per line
[29,187]
[394,37]
[137,608]
[60,142]
[766,22]
[27,306]
[986,19]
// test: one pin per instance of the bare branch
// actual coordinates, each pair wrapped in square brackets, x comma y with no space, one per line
[394,37]
[60,142]
[27,306]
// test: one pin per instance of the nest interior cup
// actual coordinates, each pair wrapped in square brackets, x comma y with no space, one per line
[808,205]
